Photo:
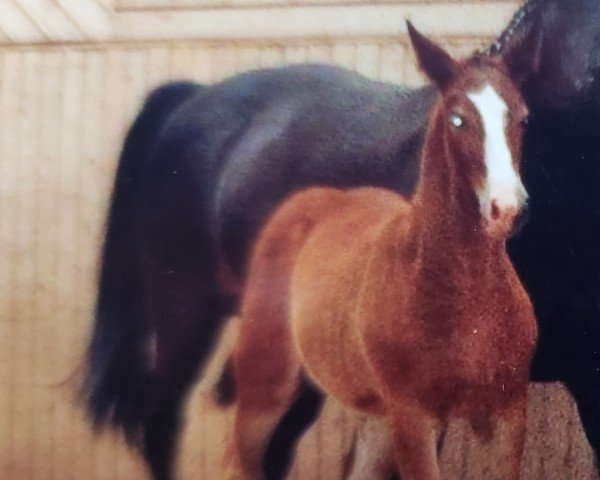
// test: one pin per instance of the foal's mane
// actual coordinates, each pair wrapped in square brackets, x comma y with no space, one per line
[514,25]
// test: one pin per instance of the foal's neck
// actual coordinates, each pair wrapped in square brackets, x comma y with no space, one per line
[446,220]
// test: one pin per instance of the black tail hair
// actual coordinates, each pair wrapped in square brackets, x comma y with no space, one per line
[117,373]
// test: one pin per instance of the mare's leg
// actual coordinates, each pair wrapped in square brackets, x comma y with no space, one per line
[372,450]
[415,436]
[187,322]
[161,435]
[298,419]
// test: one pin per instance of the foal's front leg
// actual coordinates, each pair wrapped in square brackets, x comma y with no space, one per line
[501,456]
[415,435]
[508,442]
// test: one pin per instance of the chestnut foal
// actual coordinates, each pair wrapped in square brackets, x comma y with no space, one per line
[409,312]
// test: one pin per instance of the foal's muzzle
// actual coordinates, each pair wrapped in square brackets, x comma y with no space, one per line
[503,219]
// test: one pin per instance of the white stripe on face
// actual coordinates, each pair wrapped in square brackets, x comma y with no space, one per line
[502,185]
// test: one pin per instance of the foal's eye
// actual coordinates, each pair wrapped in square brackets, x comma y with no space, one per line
[525,121]
[456,120]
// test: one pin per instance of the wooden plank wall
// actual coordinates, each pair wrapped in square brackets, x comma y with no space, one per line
[63,112]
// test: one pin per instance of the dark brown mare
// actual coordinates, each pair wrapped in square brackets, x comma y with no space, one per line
[203,166]
[412,311]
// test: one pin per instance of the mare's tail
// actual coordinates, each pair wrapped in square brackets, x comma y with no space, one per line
[116,367]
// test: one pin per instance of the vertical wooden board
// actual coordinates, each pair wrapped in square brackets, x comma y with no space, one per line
[48,181]
[391,63]
[157,67]
[248,58]
[9,95]
[34,313]
[48,177]
[203,64]
[410,68]
[24,274]
[68,166]
[296,54]
[6,339]
[119,111]
[95,181]
[319,53]
[344,55]
[367,60]
[224,62]
[133,81]
[272,57]
[181,59]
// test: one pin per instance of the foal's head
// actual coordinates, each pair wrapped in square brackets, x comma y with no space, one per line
[481,116]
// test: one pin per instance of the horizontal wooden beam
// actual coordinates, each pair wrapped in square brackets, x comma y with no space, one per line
[141,5]
[63,21]
[322,21]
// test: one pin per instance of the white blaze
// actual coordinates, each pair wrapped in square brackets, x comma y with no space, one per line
[502,183]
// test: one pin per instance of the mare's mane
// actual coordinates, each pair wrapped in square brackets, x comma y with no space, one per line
[514,26]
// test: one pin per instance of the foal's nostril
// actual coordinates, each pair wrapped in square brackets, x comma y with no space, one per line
[495,211]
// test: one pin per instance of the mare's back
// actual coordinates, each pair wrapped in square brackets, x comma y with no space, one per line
[342,126]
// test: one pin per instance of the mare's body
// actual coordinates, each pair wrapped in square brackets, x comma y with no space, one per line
[203,166]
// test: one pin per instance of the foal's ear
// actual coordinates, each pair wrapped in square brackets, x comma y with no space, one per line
[523,54]
[433,59]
